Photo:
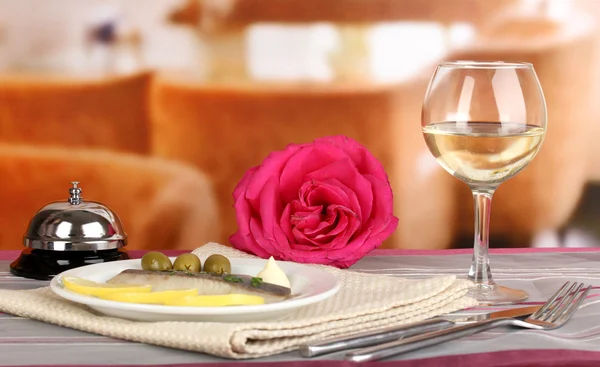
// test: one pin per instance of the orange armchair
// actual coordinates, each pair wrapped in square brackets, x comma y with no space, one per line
[225,130]
[162,204]
[91,112]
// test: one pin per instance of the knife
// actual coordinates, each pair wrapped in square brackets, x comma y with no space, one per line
[368,338]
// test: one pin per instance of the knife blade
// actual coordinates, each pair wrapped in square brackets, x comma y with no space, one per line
[373,337]
[512,312]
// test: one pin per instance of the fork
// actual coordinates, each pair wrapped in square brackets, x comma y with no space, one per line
[552,315]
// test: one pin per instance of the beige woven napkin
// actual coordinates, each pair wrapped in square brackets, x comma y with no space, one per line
[365,301]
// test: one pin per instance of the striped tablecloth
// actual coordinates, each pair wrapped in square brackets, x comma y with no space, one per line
[25,342]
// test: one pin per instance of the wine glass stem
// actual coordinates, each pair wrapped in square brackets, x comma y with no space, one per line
[480,272]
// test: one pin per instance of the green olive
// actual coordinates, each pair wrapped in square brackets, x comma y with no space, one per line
[217,264]
[156,261]
[187,262]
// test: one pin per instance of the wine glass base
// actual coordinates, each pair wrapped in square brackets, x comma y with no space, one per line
[496,295]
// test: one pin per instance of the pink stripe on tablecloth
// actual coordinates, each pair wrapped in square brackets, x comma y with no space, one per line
[525,250]
[516,358]
[11,255]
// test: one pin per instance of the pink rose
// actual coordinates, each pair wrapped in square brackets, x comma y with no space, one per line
[328,202]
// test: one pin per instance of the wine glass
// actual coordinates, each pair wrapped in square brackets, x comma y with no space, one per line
[484,122]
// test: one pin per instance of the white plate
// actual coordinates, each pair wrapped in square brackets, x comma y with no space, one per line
[309,285]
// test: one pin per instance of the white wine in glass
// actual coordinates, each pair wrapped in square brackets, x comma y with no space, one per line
[484,122]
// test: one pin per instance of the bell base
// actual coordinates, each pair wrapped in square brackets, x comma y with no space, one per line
[45,264]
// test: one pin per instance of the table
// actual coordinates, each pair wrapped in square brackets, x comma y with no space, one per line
[26,342]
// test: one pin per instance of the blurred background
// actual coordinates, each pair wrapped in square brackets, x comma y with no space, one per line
[158,107]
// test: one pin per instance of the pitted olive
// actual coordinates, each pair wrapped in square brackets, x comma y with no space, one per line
[156,261]
[217,264]
[187,262]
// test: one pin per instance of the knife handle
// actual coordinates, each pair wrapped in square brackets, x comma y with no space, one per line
[393,348]
[369,338]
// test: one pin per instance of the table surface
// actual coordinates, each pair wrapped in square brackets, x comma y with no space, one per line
[540,272]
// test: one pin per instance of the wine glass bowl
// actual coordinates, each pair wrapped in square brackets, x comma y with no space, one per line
[484,122]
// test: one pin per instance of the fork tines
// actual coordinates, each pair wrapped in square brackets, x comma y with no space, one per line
[563,304]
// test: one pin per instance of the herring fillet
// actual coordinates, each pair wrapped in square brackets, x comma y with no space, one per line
[205,283]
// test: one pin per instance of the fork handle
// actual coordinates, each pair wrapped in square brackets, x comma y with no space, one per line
[396,347]
[368,338]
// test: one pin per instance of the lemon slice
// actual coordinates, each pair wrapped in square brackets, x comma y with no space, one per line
[217,300]
[155,298]
[91,288]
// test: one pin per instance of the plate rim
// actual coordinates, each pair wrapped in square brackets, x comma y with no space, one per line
[284,305]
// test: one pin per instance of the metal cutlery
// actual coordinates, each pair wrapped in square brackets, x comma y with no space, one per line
[379,336]
[553,314]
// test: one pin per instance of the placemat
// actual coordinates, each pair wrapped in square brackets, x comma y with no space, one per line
[364,302]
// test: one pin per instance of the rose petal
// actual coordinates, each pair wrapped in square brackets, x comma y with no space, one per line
[242,214]
[348,229]
[301,240]
[323,228]
[269,207]
[310,247]
[365,161]
[265,248]
[319,257]
[352,249]
[281,240]
[351,201]
[285,222]
[345,172]
[242,242]
[383,234]
[308,220]
[305,161]
[383,205]
[374,241]
[341,226]
[271,166]
[242,186]
[322,194]
[335,222]
[363,244]
[323,257]
[315,195]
